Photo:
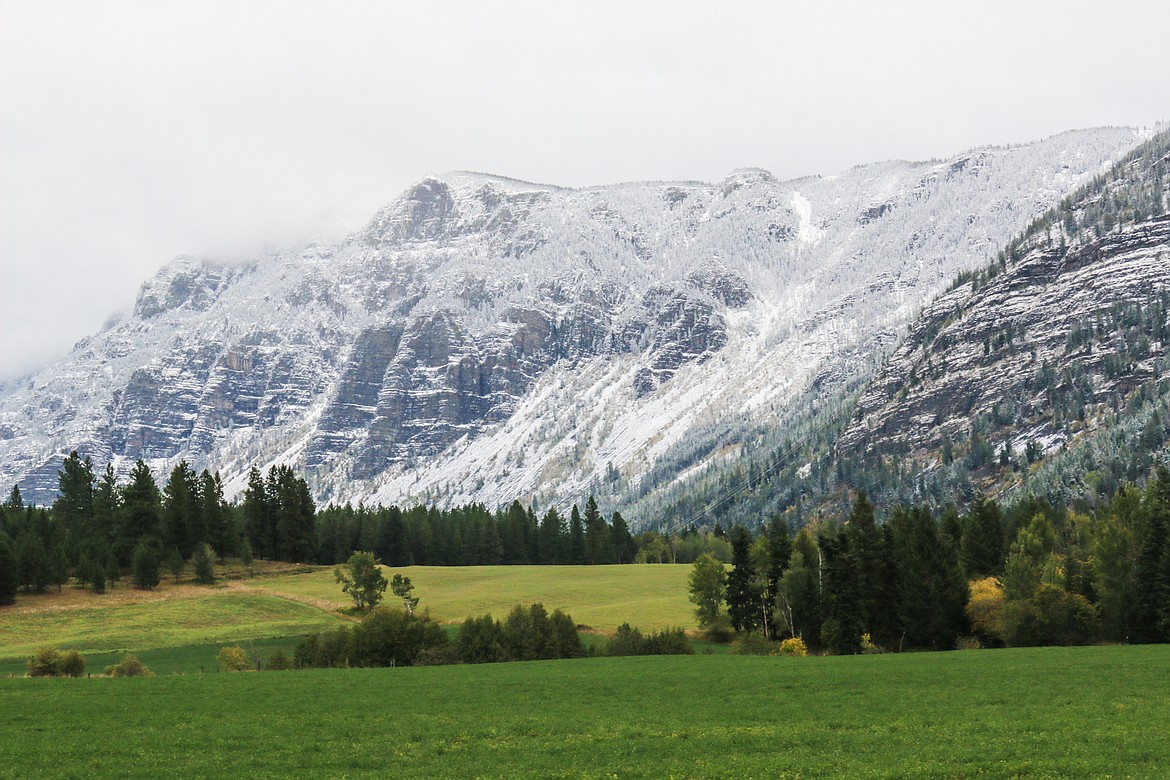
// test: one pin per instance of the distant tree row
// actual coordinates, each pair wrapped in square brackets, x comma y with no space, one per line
[473,535]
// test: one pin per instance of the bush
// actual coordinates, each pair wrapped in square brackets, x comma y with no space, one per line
[968,643]
[327,650]
[51,662]
[985,608]
[631,641]
[73,664]
[278,661]
[792,647]
[393,637]
[46,662]
[204,564]
[129,666]
[233,659]
[480,640]
[753,643]
[1051,617]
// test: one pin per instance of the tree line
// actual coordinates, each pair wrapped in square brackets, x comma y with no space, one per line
[1031,574]
[99,529]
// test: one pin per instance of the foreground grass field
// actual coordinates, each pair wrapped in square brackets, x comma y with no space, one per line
[1090,712]
[217,618]
[651,596]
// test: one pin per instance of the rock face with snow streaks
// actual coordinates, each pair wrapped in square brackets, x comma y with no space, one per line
[487,339]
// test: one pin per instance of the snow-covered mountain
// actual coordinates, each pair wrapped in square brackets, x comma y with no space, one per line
[487,339]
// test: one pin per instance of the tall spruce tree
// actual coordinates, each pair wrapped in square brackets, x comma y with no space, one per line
[982,539]
[8,574]
[843,603]
[779,541]
[139,512]
[933,592]
[74,506]
[577,553]
[744,596]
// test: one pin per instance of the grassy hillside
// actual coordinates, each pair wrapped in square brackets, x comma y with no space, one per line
[1034,713]
[219,617]
[649,596]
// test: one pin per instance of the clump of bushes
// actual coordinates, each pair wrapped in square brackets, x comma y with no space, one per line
[793,647]
[129,666]
[279,661]
[526,634]
[631,641]
[385,637]
[233,659]
[51,662]
[753,643]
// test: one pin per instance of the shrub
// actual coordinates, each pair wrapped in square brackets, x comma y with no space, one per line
[72,664]
[753,643]
[481,640]
[668,641]
[985,607]
[204,564]
[394,637]
[46,662]
[968,643]
[233,659]
[129,666]
[278,661]
[792,647]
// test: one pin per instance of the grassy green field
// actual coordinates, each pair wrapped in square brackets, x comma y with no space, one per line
[1046,713]
[173,623]
[651,596]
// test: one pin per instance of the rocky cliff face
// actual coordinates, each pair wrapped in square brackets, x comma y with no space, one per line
[1054,343]
[487,339]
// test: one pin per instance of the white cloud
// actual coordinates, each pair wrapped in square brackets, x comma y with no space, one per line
[131,132]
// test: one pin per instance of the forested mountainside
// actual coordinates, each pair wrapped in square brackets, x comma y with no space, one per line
[1047,370]
[484,339]
[1041,374]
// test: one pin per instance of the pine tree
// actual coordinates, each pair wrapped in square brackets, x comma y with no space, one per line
[552,542]
[256,511]
[139,513]
[624,545]
[598,543]
[577,553]
[982,539]
[844,608]
[744,596]
[933,592]
[182,510]
[74,506]
[8,573]
[779,542]
[145,566]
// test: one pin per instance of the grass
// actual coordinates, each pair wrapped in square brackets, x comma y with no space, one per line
[1045,713]
[220,617]
[651,596]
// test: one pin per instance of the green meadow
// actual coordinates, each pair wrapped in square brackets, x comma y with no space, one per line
[649,596]
[217,618]
[1043,713]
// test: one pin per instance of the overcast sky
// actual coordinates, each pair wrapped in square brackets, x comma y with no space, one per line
[133,132]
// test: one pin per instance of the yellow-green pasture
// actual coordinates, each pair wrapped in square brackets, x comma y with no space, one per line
[648,596]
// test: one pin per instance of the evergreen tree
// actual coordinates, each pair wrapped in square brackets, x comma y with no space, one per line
[106,500]
[625,548]
[182,511]
[256,512]
[8,574]
[216,515]
[139,512]
[982,539]
[577,552]
[843,603]
[32,562]
[744,596]
[74,506]
[598,542]
[145,566]
[933,592]
[779,542]
[551,542]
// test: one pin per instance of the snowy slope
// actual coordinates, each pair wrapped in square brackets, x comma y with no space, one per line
[487,339]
